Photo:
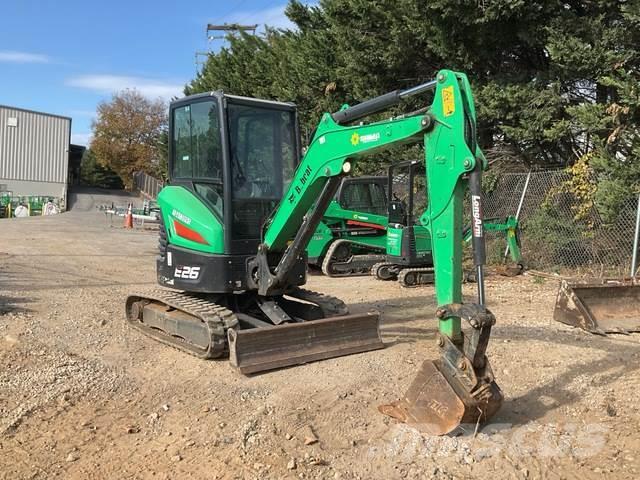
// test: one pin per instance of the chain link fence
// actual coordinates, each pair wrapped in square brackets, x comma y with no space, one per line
[558,232]
[147,185]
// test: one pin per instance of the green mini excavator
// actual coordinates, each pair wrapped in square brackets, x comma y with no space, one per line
[352,235]
[368,229]
[238,214]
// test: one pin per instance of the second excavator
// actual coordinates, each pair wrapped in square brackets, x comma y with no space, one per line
[238,215]
[371,228]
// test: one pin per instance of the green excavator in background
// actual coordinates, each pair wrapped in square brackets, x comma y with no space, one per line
[352,235]
[238,215]
[369,229]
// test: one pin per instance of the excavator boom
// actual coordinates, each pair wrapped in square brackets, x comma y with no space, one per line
[454,163]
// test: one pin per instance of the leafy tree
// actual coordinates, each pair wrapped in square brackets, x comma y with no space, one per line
[129,135]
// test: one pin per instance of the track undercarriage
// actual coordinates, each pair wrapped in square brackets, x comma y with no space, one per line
[340,261]
[258,333]
[407,277]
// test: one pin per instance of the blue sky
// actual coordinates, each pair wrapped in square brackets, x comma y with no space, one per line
[65,56]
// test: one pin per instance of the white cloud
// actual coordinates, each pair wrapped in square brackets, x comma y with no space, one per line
[9,56]
[272,16]
[81,138]
[115,83]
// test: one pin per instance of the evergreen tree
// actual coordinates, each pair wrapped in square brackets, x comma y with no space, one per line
[555,82]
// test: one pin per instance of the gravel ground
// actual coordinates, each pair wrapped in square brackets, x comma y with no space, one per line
[82,396]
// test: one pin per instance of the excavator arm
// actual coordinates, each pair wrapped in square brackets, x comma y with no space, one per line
[330,156]
[459,387]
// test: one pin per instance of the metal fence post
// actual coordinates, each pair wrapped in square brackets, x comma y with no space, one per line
[524,192]
[634,258]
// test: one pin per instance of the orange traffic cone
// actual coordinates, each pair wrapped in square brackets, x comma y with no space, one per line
[128,218]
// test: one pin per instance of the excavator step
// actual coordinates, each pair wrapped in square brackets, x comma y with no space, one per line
[259,349]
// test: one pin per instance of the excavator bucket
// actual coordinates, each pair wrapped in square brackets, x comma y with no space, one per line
[458,391]
[266,348]
[438,402]
[599,306]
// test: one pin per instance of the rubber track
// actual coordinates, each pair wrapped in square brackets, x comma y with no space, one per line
[331,306]
[327,262]
[404,272]
[377,266]
[217,318]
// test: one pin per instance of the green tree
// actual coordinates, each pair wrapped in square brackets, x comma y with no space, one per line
[94,174]
[554,81]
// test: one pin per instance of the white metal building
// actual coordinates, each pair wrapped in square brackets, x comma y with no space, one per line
[34,152]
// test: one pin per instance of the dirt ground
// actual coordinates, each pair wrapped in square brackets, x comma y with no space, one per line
[82,396]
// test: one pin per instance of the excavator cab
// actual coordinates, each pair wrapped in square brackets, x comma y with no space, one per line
[352,233]
[366,194]
[408,252]
[230,161]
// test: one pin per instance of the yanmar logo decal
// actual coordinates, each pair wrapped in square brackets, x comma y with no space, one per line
[181,216]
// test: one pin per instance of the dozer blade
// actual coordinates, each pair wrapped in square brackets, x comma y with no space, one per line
[599,306]
[439,403]
[259,349]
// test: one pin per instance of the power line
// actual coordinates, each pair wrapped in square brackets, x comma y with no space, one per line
[227,29]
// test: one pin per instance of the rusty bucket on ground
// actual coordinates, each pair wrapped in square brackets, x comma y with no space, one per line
[439,402]
[600,306]
[458,391]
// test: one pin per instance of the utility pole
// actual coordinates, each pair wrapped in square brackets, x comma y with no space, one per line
[224,29]
[228,28]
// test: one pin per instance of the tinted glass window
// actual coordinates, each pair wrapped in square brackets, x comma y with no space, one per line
[262,151]
[197,151]
[262,148]
[182,142]
[205,141]
[364,197]
[212,195]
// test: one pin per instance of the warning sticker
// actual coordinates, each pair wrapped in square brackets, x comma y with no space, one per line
[448,101]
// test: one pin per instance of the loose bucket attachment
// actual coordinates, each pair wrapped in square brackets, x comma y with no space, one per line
[599,306]
[266,348]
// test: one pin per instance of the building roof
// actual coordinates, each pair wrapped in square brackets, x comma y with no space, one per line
[8,107]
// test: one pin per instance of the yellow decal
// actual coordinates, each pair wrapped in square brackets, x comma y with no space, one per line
[355,139]
[448,101]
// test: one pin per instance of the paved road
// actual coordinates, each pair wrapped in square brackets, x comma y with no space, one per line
[84,199]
